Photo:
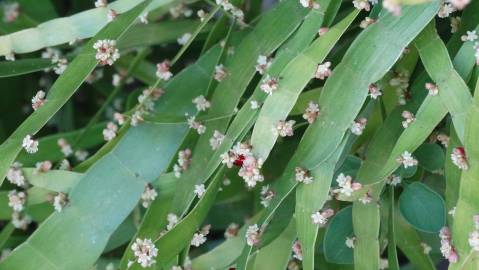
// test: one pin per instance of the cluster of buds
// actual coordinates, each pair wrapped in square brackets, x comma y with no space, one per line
[163,70]
[196,125]
[65,147]
[392,6]
[201,103]
[172,221]
[106,51]
[303,176]
[220,72]
[55,55]
[350,242]
[426,249]
[15,175]
[43,166]
[446,9]
[263,63]
[443,139]
[199,238]
[11,11]
[447,249]
[227,6]
[374,91]
[323,71]
[459,158]
[409,118]
[358,126]
[401,82]
[269,84]
[407,160]
[394,180]
[474,235]
[30,145]
[200,190]
[216,140]
[109,133]
[111,15]
[146,104]
[346,185]
[231,231]
[284,128]
[184,38]
[311,112]
[148,196]
[433,90]
[101,3]
[321,217]
[241,155]
[267,194]
[145,252]
[60,201]
[17,201]
[253,235]
[297,251]
[310,4]
[180,9]
[184,160]
[362,4]
[366,22]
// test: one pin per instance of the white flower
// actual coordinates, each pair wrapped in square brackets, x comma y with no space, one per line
[136,118]
[101,3]
[184,38]
[444,139]
[60,66]
[198,126]
[474,240]
[198,239]
[231,230]
[426,249]
[201,103]
[458,157]
[200,190]
[445,10]
[460,4]
[11,11]
[284,128]
[15,175]
[303,176]
[269,85]
[254,104]
[346,185]
[220,73]
[59,201]
[470,36]
[309,4]
[366,22]
[262,64]
[216,140]
[358,126]
[119,118]
[297,250]
[447,249]
[65,165]
[109,133]
[30,145]
[350,242]
[241,155]
[44,166]
[184,159]
[322,31]
[252,235]
[65,147]
[432,88]
[321,217]
[383,264]
[106,51]
[366,198]
[163,70]
[408,118]
[362,4]
[407,160]
[81,155]
[144,18]
[323,71]
[38,100]
[394,180]
[20,220]
[267,195]
[16,200]
[145,252]
[392,6]
[201,14]
[148,196]
[374,91]
[172,221]
[452,212]
[111,15]
[311,112]
[10,57]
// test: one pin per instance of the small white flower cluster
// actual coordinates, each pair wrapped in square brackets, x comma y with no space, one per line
[362,4]
[10,57]
[310,4]
[163,70]
[346,185]
[148,196]
[17,200]
[181,9]
[43,166]
[227,6]
[172,221]
[401,82]
[56,58]
[394,180]
[366,198]
[392,6]
[322,31]
[426,249]
[311,112]
[30,145]
[433,90]
[101,3]
[199,238]
[11,11]
[284,128]
[202,15]
[216,140]
[297,251]
[231,231]
[220,72]
[144,18]
[470,36]
[200,190]
[409,118]
[474,235]
[350,242]
[303,176]
[443,139]
[267,194]
[323,71]
[253,235]
[446,9]
[184,159]
[65,165]
[106,51]
[366,22]
[269,84]
[184,38]
[201,103]
[146,104]
[109,133]
[20,220]
[254,104]
[145,252]
[65,147]
[358,126]
[321,217]
[196,125]
[374,91]
[407,160]
[459,158]
[452,212]
[447,249]
[241,155]
[15,175]
[60,201]
[263,63]
[111,15]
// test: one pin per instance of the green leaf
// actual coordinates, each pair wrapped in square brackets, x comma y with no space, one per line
[430,156]
[334,243]
[392,252]
[23,66]
[422,207]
